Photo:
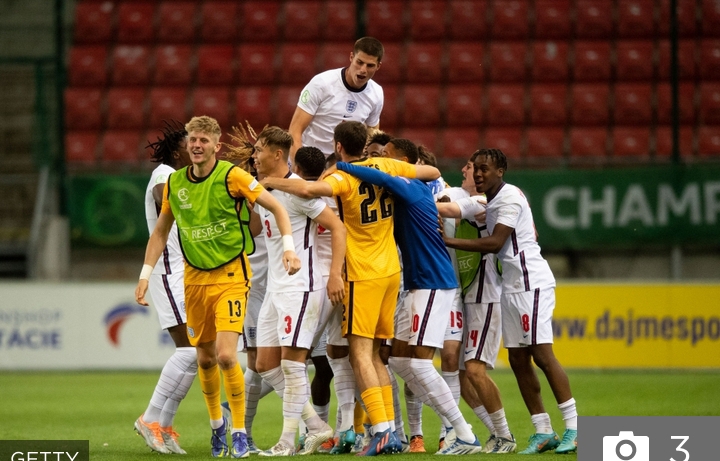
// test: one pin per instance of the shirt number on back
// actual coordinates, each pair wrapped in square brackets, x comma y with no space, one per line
[368,215]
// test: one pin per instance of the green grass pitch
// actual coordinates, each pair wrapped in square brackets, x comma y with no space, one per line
[102,406]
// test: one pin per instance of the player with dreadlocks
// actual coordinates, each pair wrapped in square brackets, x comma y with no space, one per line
[168,296]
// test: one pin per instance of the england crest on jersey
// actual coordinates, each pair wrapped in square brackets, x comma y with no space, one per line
[351,106]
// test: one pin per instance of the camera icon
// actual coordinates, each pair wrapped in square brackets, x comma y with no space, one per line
[626,447]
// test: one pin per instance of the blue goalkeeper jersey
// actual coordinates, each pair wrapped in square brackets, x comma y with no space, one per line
[426,262]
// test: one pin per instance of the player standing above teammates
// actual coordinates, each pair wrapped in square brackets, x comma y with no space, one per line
[528,300]
[168,298]
[339,95]
[205,198]
[291,310]
[372,270]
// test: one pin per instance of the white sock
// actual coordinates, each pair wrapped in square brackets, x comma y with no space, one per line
[402,366]
[322,411]
[500,423]
[569,414]
[439,393]
[171,405]
[452,378]
[276,379]
[253,387]
[414,411]
[397,424]
[295,396]
[171,378]
[542,424]
[483,415]
[344,384]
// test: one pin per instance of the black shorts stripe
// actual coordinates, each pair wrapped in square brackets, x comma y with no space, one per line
[483,335]
[426,317]
[301,315]
[173,303]
[349,310]
[536,306]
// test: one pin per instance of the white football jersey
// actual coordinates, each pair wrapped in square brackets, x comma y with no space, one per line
[330,100]
[301,212]
[523,267]
[259,264]
[487,286]
[324,241]
[171,259]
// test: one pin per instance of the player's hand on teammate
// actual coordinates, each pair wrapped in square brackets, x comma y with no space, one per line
[291,262]
[140,291]
[336,289]
[480,217]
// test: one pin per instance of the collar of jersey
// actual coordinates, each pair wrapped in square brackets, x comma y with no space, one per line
[349,88]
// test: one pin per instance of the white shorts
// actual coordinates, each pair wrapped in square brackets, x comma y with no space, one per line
[429,311]
[484,325]
[289,319]
[326,310]
[255,301]
[320,349]
[167,293]
[454,330]
[527,317]
[402,317]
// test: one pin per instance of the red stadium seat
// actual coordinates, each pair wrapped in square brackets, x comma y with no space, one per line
[552,19]
[393,64]
[510,20]
[216,65]
[287,99]
[252,103]
[340,20]
[550,62]
[468,19]
[710,60]
[302,20]
[631,142]
[545,143]
[686,60]
[177,21]
[130,65]
[710,103]
[464,105]
[633,104]
[259,21]
[588,144]
[686,101]
[81,147]
[218,21]
[663,142]
[385,20]
[709,141]
[122,146]
[465,62]
[298,62]
[548,105]
[174,65]
[590,104]
[427,20]
[94,22]
[83,108]
[135,22]
[336,55]
[422,137]
[126,108]
[508,140]
[634,60]
[424,63]
[710,18]
[687,24]
[167,104]
[506,105]
[389,115]
[592,61]
[460,142]
[88,66]
[420,107]
[214,102]
[636,19]
[508,61]
[256,63]
[594,19]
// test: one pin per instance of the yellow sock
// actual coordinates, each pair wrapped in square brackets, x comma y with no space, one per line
[235,393]
[210,385]
[387,396]
[358,418]
[373,399]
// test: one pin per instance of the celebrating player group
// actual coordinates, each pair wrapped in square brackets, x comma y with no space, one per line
[320,242]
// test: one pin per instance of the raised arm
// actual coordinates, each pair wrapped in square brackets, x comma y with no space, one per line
[270,203]
[397,185]
[299,187]
[449,210]
[426,172]
[299,123]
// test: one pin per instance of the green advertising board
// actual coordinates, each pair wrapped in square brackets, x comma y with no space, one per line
[573,209]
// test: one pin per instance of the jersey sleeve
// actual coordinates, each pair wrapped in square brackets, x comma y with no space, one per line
[374,118]
[339,182]
[242,184]
[509,211]
[309,207]
[399,168]
[311,96]
[397,185]
[165,207]
[469,207]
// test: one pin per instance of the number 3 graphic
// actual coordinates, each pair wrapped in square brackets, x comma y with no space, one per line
[684,439]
